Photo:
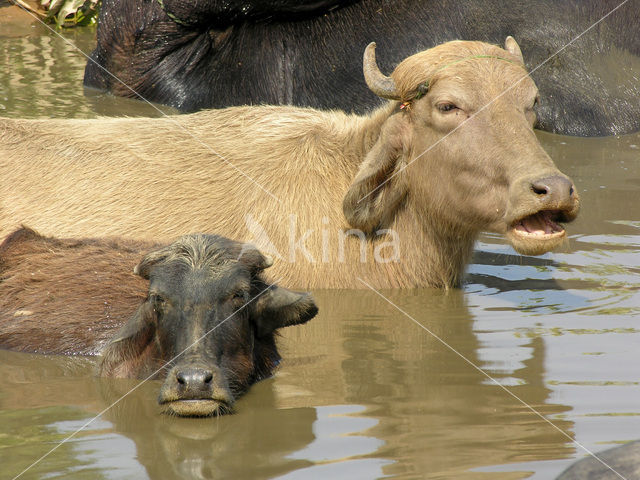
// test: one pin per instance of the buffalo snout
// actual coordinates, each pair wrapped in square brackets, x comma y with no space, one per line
[194,379]
[537,207]
[555,189]
[195,390]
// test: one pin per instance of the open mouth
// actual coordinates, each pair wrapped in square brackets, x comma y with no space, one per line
[197,408]
[541,225]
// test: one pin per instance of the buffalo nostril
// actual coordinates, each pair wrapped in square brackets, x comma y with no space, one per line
[539,189]
[194,378]
[555,186]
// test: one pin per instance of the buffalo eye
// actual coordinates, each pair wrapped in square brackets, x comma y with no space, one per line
[158,302]
[239,297]
[445,107]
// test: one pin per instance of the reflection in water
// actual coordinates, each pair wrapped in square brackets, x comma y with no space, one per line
[375,392]
[98,450]
[37,393]
[589,320]
[40,72]
[429,402]
[363,392]
[255,443]
[41,75]
[335,438]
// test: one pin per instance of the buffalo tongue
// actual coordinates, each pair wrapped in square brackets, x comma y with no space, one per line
[539,224]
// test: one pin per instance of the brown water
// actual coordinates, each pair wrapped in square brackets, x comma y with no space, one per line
[363,391]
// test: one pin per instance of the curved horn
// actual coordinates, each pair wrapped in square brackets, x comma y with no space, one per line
[512,47]
[378,83]
[268,260]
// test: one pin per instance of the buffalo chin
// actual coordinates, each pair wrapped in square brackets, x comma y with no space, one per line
[196,408]
[527,244]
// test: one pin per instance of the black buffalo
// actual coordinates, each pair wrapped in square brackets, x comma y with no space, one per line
[621,462]
[205,324]
[210,314]
[213,53]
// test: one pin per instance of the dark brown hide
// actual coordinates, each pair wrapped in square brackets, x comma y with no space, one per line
[207,326]
[66,296]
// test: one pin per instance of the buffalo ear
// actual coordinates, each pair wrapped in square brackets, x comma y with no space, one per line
[511,46]
[152,258]
[279,307]
[126,352]
[379,186]
[253,258]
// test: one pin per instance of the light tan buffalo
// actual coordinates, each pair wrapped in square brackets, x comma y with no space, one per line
[394,199]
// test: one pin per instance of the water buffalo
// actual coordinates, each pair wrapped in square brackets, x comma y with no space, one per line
[205,323]
[395,198]
[213,54]
[619,462]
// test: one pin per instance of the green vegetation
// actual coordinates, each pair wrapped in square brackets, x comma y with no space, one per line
[64,13]
[71,13]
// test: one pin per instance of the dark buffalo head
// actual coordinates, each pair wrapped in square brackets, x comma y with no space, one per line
[207,324]
[462,151]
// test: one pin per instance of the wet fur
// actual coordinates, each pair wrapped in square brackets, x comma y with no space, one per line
[53,295]
[66,296]
[79,293]
[192,320]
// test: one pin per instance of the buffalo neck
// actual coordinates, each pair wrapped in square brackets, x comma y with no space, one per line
[433,251]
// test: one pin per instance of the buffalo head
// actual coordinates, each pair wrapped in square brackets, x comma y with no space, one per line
[207,324]
[460,150]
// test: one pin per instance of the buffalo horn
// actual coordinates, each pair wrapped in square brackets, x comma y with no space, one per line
[378,83]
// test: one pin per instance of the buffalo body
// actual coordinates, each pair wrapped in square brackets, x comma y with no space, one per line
[204,322]
[216,54]
[391,199]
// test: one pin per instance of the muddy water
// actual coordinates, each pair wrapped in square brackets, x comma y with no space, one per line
[498,381]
